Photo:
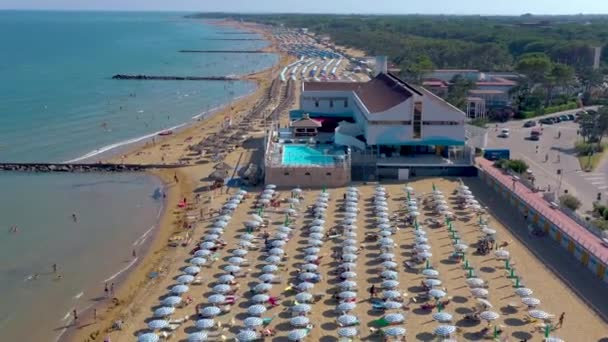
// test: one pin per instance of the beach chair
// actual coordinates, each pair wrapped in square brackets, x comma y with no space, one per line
[197,281]
[166,334]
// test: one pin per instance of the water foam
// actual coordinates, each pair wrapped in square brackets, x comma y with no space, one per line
[121,271]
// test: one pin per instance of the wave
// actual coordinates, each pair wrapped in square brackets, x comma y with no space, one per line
[143,237]
[121,271]
[77,296]
[121,143]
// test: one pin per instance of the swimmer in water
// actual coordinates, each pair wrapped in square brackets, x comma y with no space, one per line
[74,217]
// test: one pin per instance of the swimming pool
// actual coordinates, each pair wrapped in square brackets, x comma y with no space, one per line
[294,154]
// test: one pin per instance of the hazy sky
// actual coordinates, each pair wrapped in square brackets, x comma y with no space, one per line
[328,6]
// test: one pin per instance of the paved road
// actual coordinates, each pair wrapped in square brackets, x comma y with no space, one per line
[584,185]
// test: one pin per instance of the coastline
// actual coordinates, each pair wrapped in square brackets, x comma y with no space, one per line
[157,256]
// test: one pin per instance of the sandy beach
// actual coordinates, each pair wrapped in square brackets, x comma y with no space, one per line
[139,295]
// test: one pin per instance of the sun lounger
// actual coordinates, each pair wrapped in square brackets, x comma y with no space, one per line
[166,334]
[178,320]
[173,327]
[197,281]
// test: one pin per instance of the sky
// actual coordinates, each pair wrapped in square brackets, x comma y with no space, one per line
[504,7]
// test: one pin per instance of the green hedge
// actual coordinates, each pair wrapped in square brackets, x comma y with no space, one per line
[548,110]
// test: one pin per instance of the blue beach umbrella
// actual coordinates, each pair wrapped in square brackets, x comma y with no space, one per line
[210,311]
[179,289]
[305,286]
[347,320]
[207,245]
[225,279]
[435,293]
[312,250]
[211,237]
[345,307]
[280,236]
[349,242]
[442,317]
[205,323]
[311,258]
[192,270]
[148,337]
[278,243]
[239,252]
[158,324]
[270,268]
[299,321]
[216,230]
[389,274]
[307,276]
[349,249]
[347,294]
[394,331]
[164,311]
[256,310]
[260,298]
[252,322]
[303,297]
[276,251]
[246,336]
[198,336]
[216,299]
[297,335]
[202,253]
[221,288]
[390,284]
[171,301]
[236,260]
[198,261]
[300,308]
[317,236]
[266,277]
[263,287]
[309,267]
[185,279]
[432,282]
[347,284]
[232,268]
[273,259]
[392,305]
[394,318]
[349,257]
[315,242]
[245,244]
[347,332]
[445,330]
[429,272]
[389,264]
[247,237]
[391,294]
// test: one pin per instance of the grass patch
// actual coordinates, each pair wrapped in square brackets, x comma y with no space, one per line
[589,163]
[589,154]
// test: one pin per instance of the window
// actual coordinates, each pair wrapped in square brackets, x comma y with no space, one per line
[307,174]
[417,120]
[286,174]
[328,174]
[345,103]
[317,103]
[331,103]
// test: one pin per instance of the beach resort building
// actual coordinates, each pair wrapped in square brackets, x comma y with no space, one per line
[384,128]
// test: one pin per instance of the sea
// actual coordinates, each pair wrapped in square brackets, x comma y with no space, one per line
[58,103]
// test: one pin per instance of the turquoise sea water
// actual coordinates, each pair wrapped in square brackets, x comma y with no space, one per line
[58,103]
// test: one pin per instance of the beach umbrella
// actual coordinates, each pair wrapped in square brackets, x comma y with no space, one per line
[230,205]
[256,310]
[442,317]
[389,264]
[273,259]
[385,233]
[276,251]
[260,298]
[424,255]
[347,284]
[435,293]
[280,236]
[257,218]
[236,260]
[422,247]
[348,275]
[301,308]
[266,277]
[148,337]
[479,292]
[278,243]
[347,295]
[413,214]
[307,276]
[349,249]
[391,294]
[349,257]
[245,244]
[317,236]
[239,252]
[351,216]
[158,324]
[216,230]
[171,301]
[390,284]
[382,214]
[285,229]
[207,245]
[484,302]
[262,287]
[271,186]
[389,274]
[387,256]
[192,270]
[392,305]
[475,282]
[246,336]
[179,289]
[429,272]
[211,237]
[225,279]
[297,335]
[314,242]
[386,241]
[311,258]
[164,311]
[347,332]
[268,191]
[316,229]
[488,231]
[383,220]
[538,314]
[347,306]
[393,318]
[530,301]
[202,253]
[232,268]
[349,242]
[384,226]
[349,221]
[318,222]
[489,316]
[221,288]
[460,247]
[198,336]
[420,233]
[309,267]
[264,201]
[252,322]
[347,320]
[185,279]
[292,211]
[220,224]
[303,297]
[247,237]
[270,268]
[305,286]
[348,265]
[394,331]
[296,190]
[524,292]
[251,224]
[553,339]
[501,254]
[216,299]
[299,321]
[432,282]
[198,261]
[205,323]
[445,330]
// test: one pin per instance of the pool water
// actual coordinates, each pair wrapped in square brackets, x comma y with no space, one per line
[308,155]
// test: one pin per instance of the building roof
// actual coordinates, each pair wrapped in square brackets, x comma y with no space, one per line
[306,122]
[381,93]
[487,92]
[497,81]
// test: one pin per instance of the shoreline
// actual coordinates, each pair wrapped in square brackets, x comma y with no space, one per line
[134,279]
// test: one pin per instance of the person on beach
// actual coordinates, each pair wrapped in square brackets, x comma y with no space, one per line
[75,315]
[54,268]
[372,291]
[560,322]
[175,176]
[95,315]
[106,290]
[134,254]
[112,289]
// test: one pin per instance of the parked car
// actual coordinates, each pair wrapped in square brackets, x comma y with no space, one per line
[530,123]
[564,118]
[504,133]
[535,134]
[571,117]
[556,119]
[546,121]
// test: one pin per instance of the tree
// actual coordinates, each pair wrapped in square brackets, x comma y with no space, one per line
[570,202]
[560,75]
[535,66]
[601,124]
[590,79]
[416,72]
[458,91]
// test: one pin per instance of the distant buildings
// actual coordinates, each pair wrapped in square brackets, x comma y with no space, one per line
[491,91]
